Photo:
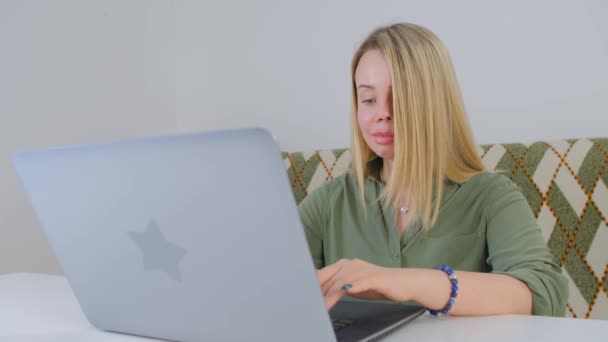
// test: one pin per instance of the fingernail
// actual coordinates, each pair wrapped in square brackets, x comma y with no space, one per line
[346,287]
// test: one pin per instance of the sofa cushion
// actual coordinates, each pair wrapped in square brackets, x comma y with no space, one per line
[566,185]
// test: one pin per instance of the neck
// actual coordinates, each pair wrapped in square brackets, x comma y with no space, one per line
[387,166]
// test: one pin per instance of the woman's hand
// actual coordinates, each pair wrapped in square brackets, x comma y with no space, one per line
[363,280]
[479,293]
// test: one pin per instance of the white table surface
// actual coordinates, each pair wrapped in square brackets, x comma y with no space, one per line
[37,307]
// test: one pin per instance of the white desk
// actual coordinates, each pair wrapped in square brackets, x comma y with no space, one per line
[41,308]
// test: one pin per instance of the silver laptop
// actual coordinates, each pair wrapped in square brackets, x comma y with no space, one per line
[189,238]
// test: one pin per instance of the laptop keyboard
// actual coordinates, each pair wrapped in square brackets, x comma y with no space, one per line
[340,324]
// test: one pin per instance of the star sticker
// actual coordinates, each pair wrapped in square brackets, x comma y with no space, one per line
[157,252]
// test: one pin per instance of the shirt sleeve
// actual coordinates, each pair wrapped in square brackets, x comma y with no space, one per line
[313,215]
[516,248]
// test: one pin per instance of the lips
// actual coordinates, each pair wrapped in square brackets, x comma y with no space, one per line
[382,134]
[383,138]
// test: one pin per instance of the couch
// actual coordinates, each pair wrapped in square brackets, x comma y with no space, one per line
[566,184]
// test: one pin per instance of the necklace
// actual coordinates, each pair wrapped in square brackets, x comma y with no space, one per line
[404,210]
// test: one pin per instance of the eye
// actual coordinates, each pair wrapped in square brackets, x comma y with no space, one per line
[369,101]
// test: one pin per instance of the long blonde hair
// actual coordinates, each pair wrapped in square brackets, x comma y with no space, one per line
[432,139]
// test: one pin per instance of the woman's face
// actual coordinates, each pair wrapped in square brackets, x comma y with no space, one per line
[375,103]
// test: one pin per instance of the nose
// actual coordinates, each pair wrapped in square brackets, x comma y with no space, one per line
[384,115]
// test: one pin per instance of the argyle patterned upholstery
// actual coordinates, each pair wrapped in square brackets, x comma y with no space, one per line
[566,184]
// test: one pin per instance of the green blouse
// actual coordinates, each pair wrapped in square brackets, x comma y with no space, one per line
[484,225]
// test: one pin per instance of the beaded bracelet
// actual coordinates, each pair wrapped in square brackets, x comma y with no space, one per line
[452,276]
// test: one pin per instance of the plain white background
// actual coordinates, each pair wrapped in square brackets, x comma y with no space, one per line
[76,72]
[528,69]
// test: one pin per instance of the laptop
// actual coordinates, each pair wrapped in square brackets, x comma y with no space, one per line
[192,237]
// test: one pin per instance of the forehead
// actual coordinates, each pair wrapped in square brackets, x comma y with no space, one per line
[373,70]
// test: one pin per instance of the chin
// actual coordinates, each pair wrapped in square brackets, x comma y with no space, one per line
[384,151]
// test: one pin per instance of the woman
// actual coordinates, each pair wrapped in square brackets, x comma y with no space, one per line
[417,218]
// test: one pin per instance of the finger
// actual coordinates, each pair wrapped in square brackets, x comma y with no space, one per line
[349,272]
[340,285]
[337,282]
[327,286]
[333,297]
[360,285]
[331,282]
[342,276]
[369,288]
[327,272]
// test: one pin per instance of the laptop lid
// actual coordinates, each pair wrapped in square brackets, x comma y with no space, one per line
[190,237]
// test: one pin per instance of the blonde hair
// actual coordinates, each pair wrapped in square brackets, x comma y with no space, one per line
[432,139]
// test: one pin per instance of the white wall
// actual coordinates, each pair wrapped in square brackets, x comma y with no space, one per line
[529,70]
[76,72]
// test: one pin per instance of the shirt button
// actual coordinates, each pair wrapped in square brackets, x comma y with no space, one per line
[396,257]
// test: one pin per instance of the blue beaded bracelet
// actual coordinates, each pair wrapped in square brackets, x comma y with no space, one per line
[452,276]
